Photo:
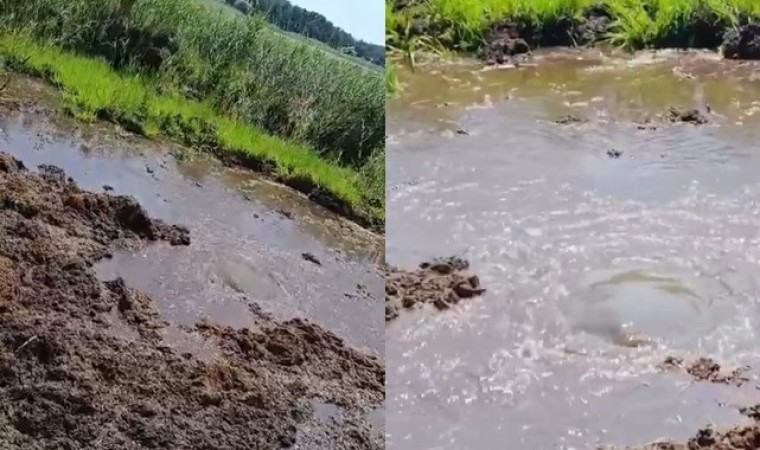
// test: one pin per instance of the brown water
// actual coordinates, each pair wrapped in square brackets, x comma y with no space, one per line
[248,235]
[579,251]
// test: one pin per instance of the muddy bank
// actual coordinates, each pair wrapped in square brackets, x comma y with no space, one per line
[441,282]
[83,364]
[510,40]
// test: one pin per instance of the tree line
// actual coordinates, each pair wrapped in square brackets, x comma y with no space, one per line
[313,25]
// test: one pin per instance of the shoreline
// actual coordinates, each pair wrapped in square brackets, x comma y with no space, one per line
[80,336]
[92,91]
[499,32]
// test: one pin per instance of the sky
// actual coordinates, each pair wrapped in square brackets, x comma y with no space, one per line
[364,19]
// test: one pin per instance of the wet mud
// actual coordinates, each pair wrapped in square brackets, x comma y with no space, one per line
[249,233]
[693,116]
[705,369]
[442,283]
[505,42]
[742,42]
[83,362]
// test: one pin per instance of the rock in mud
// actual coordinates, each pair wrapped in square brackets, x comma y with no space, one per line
[503,44]
[83,363]
[442,283]
[742,42]
[705,369]
[693,116]
[569,119]
[311,258]
[614,154]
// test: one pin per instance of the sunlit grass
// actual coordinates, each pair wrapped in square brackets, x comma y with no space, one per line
[92,89]
[391,80]
[461,24]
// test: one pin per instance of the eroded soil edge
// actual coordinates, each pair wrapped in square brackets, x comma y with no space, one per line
[441,283]
[83,364]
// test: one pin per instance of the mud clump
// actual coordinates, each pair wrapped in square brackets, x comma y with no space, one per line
[742,42]
[507,42]
[569,119]
[705,369]
[442,283]
[594,27]
[503,44]
[83,363]
[693,116]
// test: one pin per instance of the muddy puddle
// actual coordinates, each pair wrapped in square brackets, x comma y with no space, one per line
[258,250]
[607,244]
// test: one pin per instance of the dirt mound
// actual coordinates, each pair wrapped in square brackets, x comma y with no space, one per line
[83,364]
[503,44]
[705,369]
[506,42]
[742,42]
[442,282]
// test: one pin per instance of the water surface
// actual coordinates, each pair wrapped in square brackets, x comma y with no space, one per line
[597,267]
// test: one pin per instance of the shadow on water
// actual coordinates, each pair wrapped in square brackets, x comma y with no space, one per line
[249,235]
[597,268]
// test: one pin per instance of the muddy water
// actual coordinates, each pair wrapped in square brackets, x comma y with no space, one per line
[597,268]
[249,235]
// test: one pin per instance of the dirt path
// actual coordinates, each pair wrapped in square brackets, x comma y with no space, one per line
[82,364]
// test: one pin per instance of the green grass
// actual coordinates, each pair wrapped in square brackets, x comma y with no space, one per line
[461,24]
[241,65]
[93,90]
[220,5]
[221,64]
[391,80]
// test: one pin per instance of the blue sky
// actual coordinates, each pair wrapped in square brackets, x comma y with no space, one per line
[364,19]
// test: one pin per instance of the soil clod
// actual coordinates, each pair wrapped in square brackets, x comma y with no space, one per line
[441,282]
[742,42]
[569,119]
[693,116]
[503,44]
[705,369]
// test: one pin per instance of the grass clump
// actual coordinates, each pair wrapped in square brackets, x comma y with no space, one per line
[391,80]
[635,24]
[92,90]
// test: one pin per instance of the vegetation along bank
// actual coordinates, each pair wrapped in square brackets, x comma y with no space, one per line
[310,24]
[500,29]
[226,83]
